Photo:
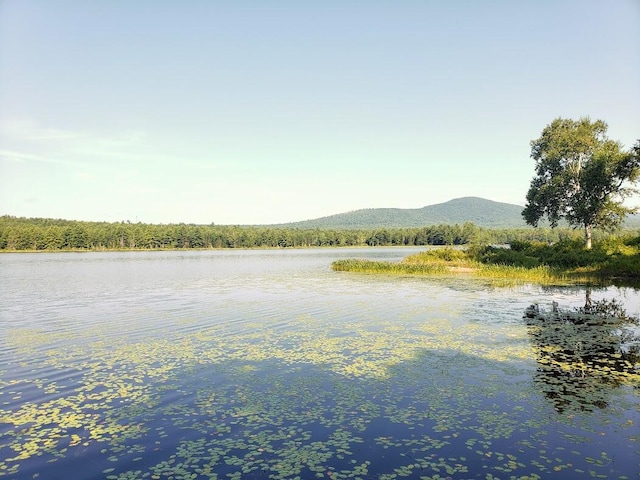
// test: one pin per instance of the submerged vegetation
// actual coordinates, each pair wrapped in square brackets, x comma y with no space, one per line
[583,352]
[378,399]
[565,261]
[277,378]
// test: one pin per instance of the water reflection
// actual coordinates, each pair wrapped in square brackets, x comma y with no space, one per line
[267,364]
[584,353]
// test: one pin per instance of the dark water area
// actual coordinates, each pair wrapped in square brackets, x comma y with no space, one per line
[267,364]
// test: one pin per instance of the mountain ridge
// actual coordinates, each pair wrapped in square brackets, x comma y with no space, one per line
[480,211]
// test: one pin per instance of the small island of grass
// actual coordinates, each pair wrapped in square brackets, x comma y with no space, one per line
[613,261]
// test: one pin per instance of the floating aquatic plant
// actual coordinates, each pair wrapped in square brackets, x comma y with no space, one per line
[584,352]
[384,399]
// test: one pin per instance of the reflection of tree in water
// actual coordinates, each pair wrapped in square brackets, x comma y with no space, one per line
[584,353]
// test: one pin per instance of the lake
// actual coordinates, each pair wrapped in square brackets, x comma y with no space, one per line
[267,364]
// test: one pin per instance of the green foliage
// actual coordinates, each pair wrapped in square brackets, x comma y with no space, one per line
[503,256]
[450,256]
[565,261]
[581,176]
[447,262]
[564,254]
[615,257]
[17,234]
[632,241]
[48,234]
[473,210]
[370,266]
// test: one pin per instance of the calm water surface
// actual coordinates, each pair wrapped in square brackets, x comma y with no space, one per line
[267,364]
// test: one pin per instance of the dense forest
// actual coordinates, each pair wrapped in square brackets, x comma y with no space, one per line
[49,234]
[479,211]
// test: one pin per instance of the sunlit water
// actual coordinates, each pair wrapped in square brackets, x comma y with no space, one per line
[267,364]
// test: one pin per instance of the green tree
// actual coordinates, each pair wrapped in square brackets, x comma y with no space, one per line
[582,176]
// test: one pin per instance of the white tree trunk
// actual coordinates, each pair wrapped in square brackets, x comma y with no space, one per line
[587,237]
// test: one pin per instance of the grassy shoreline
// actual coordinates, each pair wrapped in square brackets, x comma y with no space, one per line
[564,263]
[544,275]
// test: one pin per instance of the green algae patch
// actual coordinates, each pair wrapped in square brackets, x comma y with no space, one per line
[419,398]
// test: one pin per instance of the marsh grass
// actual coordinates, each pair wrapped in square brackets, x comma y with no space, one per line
[562,263]
[370,266]
[433,266]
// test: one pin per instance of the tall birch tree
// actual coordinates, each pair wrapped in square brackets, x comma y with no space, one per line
[581,176]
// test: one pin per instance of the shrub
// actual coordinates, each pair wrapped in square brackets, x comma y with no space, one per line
[506,256]
[519,245]
[447,255]
[633,241]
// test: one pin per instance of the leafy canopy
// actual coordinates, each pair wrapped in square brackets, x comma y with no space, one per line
[581,176]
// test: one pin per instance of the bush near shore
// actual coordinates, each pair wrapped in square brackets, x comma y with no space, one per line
[565,261]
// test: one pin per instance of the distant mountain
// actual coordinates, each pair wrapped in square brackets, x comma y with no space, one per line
[480,211]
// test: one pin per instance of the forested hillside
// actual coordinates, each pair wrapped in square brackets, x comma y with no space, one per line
[447,223]
[50,234]
[479,211]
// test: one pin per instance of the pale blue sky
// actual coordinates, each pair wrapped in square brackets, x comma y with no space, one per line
[255,112]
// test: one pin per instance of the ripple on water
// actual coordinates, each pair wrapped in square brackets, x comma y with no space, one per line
[268,364]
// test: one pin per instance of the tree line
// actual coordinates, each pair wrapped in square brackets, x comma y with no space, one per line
[17,233]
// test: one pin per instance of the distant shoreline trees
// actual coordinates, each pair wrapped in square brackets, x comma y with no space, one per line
[42,234]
